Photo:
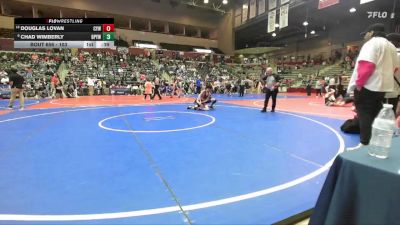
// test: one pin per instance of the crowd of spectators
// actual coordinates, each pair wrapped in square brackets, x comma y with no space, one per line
[106,72]
[118,72]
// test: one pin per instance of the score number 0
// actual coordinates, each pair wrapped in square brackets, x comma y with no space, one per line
[108,27]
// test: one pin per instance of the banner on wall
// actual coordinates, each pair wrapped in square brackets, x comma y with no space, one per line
[284,2]
[326,3]
[261,7]
[284,16]
[272,4]
[245,9]
[253,8]
[271,21]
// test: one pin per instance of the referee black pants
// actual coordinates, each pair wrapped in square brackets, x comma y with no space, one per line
[156,92]
[269,94]
[368,104]
[241,90]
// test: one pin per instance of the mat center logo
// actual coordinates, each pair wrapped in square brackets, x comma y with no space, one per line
[159,118]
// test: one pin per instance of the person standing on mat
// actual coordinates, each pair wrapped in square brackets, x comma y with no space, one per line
[156,88]
[16,84]
[308,87]
[148,89]
[242,86]
[372,77]
[198,86]
[271,84]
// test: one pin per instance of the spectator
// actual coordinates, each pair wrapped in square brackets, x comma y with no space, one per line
[16,84]
[90,84]
[372,77]
[54,82]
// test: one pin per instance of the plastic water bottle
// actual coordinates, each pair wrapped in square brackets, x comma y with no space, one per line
[382,132]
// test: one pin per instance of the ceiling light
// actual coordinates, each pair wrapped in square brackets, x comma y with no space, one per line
[276,25]
[305,23]
[274,34]
[352,10]
[312,32]
[365,1]
[205,1]
[225,2]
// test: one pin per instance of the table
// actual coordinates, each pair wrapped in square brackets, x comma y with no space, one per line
[361,189]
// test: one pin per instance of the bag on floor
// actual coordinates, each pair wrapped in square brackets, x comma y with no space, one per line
[351,126]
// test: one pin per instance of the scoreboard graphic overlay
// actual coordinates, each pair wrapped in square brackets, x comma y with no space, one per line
[64,33]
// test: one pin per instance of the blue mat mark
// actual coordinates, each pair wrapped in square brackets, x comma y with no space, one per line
[5,102]
[64,163]
[156,121]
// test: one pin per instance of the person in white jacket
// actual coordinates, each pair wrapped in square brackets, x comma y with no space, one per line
[372,77]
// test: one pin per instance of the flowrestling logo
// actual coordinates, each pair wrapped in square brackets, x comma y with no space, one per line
[377,14]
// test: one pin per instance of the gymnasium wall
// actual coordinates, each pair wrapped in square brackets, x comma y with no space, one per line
[157,38]
[340,35]
[316,46]
[225,34]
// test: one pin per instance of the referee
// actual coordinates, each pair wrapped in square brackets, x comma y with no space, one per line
[271,84]
[16,83]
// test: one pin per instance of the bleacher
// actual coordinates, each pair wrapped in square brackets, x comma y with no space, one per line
[126,69]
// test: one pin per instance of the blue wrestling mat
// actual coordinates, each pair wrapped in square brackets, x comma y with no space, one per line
[162,164]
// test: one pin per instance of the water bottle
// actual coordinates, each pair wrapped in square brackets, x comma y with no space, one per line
[382,132]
